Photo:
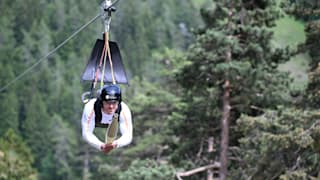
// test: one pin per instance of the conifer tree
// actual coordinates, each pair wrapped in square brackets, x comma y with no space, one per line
[64,142]
[9,118]
[15,158]
[141,27]
[309,12]
[232,70]
[53,87]
[32,11]
[281,144]
[9,55]
[37,127]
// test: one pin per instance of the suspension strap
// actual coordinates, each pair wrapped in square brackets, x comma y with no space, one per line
[107,8]
[110,59]
[98,69]
[94,82]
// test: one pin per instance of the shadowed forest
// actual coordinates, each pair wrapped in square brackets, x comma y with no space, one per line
[218,89]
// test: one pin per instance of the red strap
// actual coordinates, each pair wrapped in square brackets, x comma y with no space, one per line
[98,69]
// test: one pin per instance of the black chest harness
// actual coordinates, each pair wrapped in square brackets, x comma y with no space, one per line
[98,114]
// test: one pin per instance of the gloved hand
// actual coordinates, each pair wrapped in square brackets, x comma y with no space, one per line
[106,148]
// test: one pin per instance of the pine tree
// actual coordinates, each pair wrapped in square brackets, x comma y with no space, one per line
[309,12]
[281,144]
[141,27]
[312,94]
[32,10]
[9,106]
[15,158]
[147,169]
[8,66]
[232,70]
[53,87]
[64,142]
[37,127]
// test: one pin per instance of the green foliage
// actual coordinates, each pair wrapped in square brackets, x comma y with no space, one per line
[242,30]
[308,11]
[160,24]
[312,92]
[148,170]
[298,65]
[283,36]
[37,129]
[15,158]
[149,128]
[280,143]
[105,170]
[44,105]
[9,106]
[313,33]
[302,9]
[170,122]
[296,175]
[252,67]
[64,142]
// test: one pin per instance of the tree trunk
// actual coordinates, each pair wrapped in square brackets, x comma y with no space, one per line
[210,150]
[209,174]
[225,125]
[225,132]
[85,171]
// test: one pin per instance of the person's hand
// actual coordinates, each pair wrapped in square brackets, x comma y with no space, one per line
[106,148]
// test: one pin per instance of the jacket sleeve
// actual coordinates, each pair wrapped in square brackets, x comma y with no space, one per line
[125,126]
[88,124]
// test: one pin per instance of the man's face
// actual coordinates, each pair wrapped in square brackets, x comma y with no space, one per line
[110,107]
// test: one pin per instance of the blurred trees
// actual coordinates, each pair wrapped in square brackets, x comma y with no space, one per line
[140,28]
[15,158]
[232,71]
[44,106]
[309,13]
[283,144]
[148,170]
[175,93]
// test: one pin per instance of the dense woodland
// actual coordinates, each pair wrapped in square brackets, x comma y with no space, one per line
[208,97]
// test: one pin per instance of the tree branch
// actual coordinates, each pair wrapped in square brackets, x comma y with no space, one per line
[200,149]
[197,170]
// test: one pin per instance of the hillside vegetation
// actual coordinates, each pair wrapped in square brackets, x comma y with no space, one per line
[208,90]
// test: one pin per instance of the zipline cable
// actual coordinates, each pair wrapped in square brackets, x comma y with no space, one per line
[54,50]
[50,53]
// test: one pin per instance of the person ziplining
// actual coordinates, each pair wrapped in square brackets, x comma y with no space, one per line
[107,110]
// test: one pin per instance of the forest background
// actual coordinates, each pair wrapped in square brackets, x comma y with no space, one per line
[178,56]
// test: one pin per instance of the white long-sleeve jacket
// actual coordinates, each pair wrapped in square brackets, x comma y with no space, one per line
[88,125]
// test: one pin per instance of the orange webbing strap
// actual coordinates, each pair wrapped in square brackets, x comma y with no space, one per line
[109,55]
[89,119]
[126,120]
[98,69]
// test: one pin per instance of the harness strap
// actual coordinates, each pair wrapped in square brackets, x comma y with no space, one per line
[112,129]
[126,120]
[109,57]
[89,119]
[98,69]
